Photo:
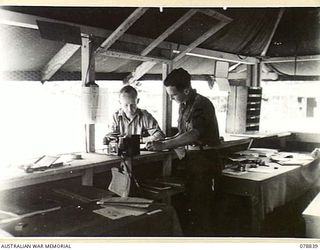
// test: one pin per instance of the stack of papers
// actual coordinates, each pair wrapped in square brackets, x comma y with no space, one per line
[119,207]
[135,202]
[258,152]
[117,212]
[288,158]
[232,171]
[263,169]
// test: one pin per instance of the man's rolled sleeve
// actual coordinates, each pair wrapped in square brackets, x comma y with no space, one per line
[198,121]
[153,128]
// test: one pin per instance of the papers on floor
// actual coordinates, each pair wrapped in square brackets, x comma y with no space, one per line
[133,202]
[117,212]
[119,207]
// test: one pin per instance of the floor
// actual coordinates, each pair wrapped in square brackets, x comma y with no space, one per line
[234,219]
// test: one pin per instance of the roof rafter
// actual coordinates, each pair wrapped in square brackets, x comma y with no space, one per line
[68,50]
[58,60]
[233,67]
[216,15]
[130,56]
[124,26]
[241,68]
[200,40]
[139,72]
[264,52]
[146,66]
[29,21]
[169,31]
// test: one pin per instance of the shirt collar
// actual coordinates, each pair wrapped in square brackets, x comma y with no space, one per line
[191,97]
[123,114]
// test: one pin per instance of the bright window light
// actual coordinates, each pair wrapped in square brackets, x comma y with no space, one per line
[290,106]
[39,119]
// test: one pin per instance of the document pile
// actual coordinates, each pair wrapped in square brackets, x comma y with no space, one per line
[119,207]
[290,158]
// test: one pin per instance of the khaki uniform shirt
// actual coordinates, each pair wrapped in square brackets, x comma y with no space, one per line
[143,124]
[199,113]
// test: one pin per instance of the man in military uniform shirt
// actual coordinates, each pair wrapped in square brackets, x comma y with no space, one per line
[197,125]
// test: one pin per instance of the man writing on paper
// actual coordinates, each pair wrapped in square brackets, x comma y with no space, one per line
[197,125]
[130,120]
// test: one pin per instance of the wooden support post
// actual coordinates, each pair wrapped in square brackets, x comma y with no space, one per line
[87,177]
[166,102]
[88,75]
[167,166]
[249,75]
[254,75]
[258,74]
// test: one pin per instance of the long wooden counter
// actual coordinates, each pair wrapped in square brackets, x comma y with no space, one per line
[92,163]
[85,168]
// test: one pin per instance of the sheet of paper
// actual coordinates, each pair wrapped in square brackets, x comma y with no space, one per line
[233,171]
[263,169]
[128,201]
[181,152]
[117,212]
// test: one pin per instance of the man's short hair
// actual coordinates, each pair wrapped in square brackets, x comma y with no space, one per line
[178,78]
[129,90]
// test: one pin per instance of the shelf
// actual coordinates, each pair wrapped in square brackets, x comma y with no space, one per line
[254,95]
[252,125]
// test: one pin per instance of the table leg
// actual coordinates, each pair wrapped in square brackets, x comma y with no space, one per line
[256,216]
[87,177]
[167,166]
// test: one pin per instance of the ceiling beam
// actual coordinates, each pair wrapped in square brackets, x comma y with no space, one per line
[144,69]
[200,40]
[69,49]
[291,59]
[233,67]
[123,27]
[216,15]
[58,60]
[240,69]
[217,55]
[130,56]
[169,31]
[139,72]
[243,75]
[146,66]
[264,52]
[29,21]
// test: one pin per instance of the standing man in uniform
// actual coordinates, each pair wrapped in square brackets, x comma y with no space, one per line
[130,120]
[197,125]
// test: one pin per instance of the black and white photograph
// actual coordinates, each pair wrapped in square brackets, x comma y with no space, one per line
[159,122]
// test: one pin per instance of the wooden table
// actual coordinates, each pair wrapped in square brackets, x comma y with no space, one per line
[90,164]
[268,190]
